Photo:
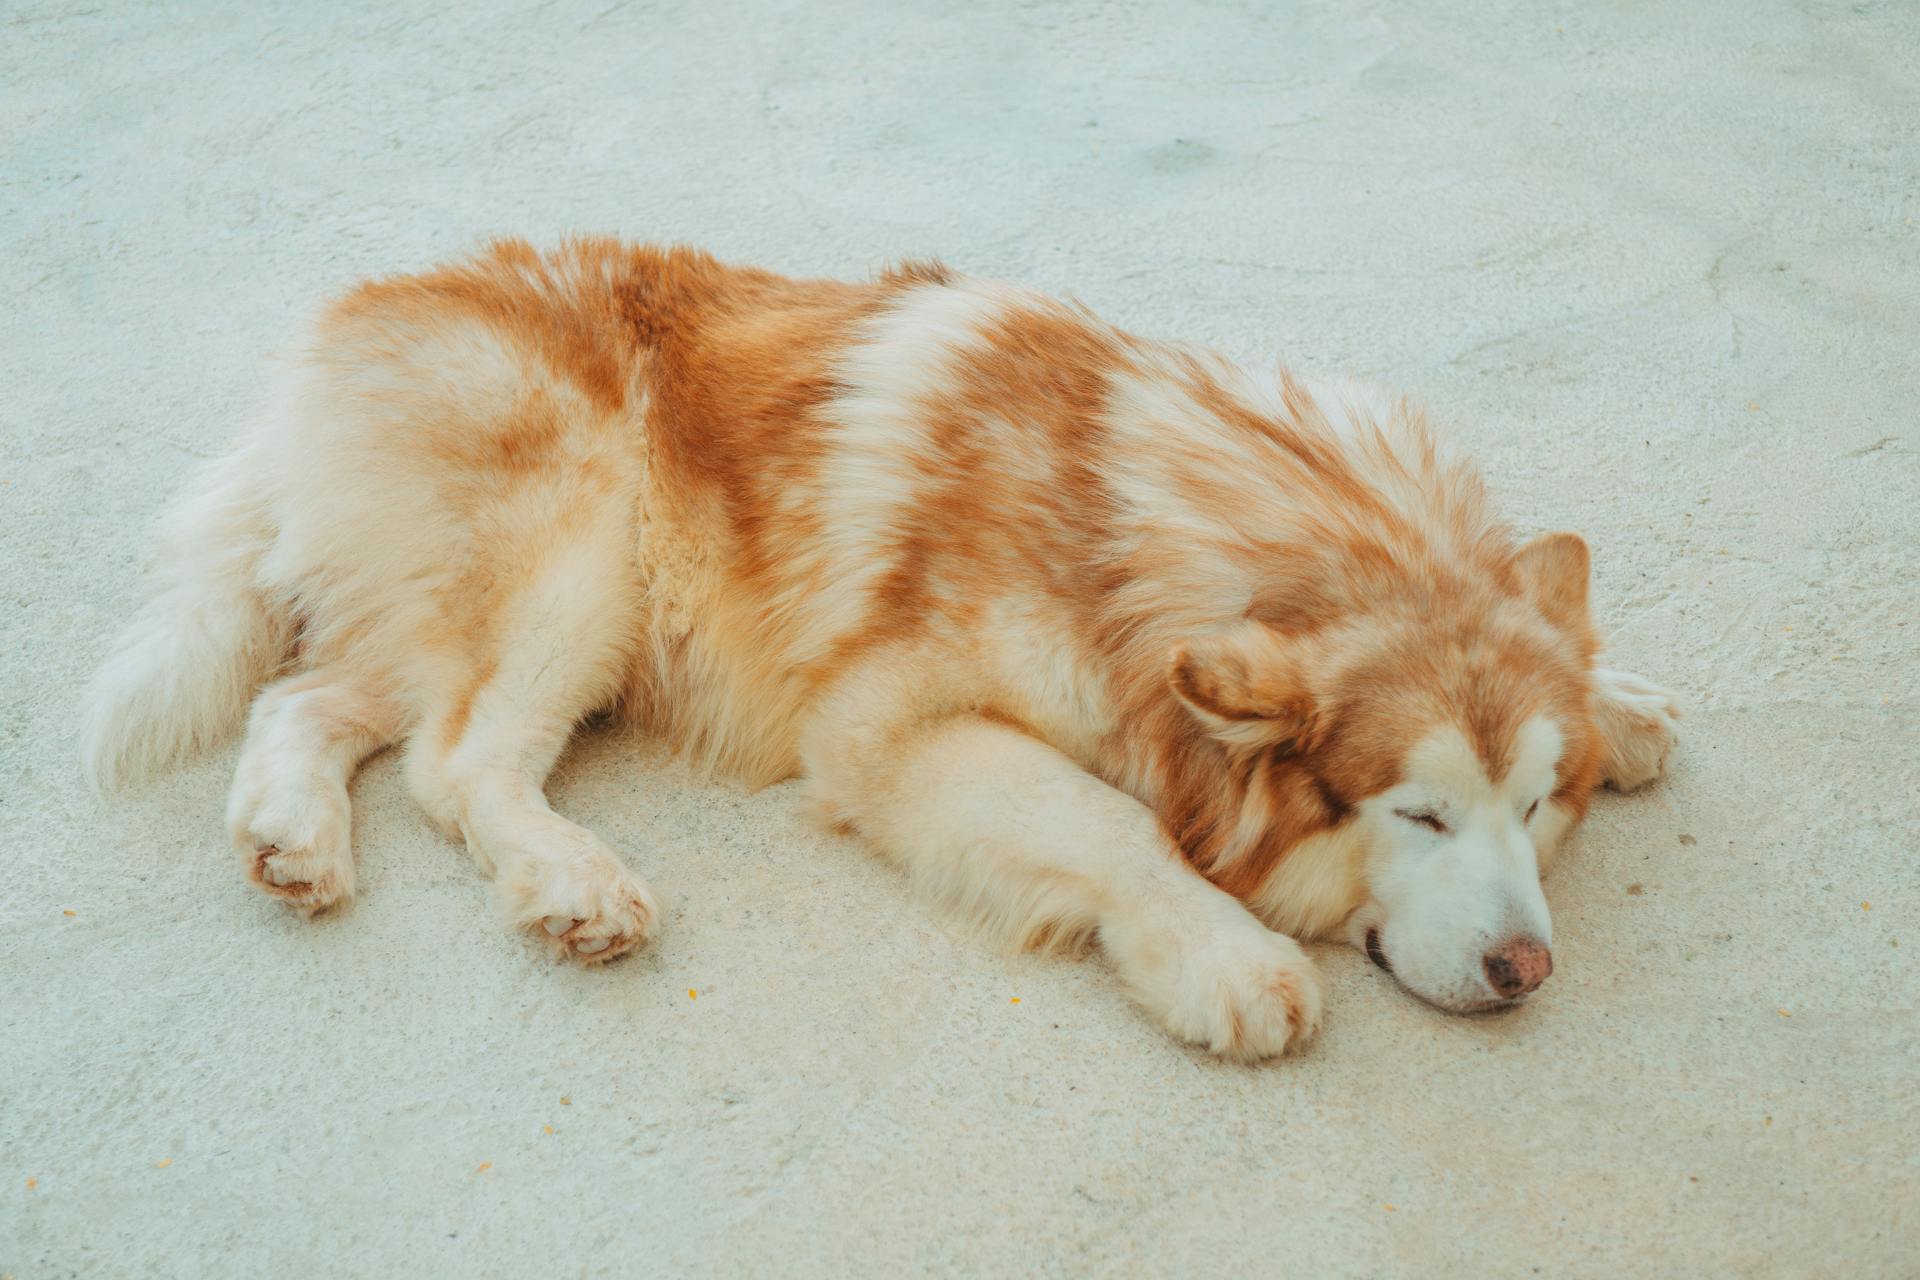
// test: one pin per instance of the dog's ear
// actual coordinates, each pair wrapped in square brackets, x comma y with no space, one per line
[1553,571]
[1248,684]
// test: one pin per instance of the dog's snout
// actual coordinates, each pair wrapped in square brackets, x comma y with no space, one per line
[1517,966]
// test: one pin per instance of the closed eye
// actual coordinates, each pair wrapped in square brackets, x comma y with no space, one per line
[1425,818]
[1531,810]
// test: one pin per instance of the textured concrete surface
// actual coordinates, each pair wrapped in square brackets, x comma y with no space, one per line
[1657,263]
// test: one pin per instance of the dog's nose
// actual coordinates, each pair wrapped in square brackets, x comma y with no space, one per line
[1517,966]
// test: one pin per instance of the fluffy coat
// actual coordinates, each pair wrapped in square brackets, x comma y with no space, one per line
[1093,635]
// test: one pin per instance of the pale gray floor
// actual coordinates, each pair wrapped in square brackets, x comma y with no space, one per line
[1657,264]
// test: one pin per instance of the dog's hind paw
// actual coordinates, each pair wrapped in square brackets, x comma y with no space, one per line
[585,906]
[293,841]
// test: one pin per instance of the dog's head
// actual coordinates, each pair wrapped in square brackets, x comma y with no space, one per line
[1452,731]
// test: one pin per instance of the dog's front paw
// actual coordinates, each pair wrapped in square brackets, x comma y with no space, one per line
[1243,992]
[1637,720]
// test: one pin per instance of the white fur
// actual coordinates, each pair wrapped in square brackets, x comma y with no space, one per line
[182,671]
[288,814]
[1637,719]
[1441,901]
[552,879]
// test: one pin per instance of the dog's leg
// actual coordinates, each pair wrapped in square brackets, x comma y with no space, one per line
[1636,719]
[288,812]
[480,761]
[1022,840]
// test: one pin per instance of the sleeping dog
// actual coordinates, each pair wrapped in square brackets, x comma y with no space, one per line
[1096,637]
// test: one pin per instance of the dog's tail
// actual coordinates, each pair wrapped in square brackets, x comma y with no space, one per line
[182,672]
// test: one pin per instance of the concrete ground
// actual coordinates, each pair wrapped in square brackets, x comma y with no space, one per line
[1657,264]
